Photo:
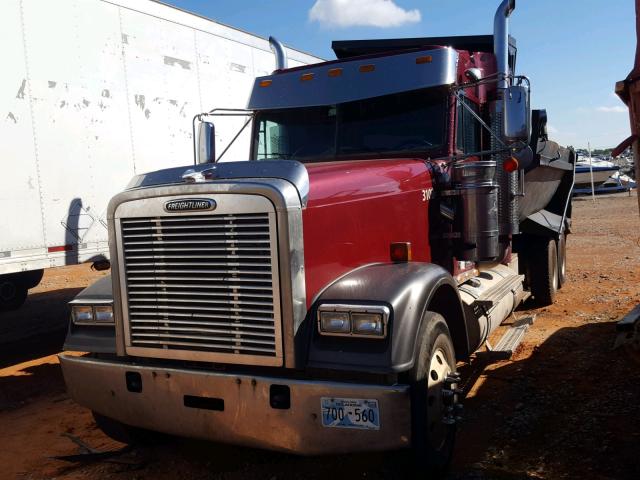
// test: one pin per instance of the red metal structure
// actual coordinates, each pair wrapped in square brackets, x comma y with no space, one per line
[629,92]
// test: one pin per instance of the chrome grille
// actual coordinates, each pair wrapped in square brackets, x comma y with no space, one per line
[201,283]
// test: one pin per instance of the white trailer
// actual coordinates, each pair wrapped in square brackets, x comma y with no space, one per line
[91,93]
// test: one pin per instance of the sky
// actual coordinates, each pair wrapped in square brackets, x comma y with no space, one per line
[573,51]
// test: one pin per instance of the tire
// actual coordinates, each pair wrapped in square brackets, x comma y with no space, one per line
[543,271]
[562,260]
[126,433]
[13,292]
[432,439]
[31,278]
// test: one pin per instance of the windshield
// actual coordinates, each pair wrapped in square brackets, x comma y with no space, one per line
[394,124]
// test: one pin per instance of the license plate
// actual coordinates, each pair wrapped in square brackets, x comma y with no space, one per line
[358,413]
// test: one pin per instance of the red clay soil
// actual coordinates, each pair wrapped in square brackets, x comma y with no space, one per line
[565,406]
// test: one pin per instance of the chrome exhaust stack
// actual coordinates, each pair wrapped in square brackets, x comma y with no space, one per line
[501,42]
[278,50]
[509,223]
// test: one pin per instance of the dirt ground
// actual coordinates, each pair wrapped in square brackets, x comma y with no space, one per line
[565,406]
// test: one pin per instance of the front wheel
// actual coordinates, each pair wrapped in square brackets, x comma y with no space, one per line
[433,401]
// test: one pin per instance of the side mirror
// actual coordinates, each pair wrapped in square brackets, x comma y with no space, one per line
[517,114]
[206,143]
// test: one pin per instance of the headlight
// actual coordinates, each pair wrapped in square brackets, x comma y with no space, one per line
[368,323]
[104,314]
[353,320]
[335,322]
[81,314]
[92,315]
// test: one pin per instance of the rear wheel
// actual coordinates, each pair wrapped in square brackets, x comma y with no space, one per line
[433,398]
[543,270]
[13,292]
[562,260]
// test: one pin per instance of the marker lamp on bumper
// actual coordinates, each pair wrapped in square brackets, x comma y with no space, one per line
[353,320]
[92,315]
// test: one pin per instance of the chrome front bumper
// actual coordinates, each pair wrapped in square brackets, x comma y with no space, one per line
[247,418]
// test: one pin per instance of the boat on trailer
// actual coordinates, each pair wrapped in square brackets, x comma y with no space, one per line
[602,171]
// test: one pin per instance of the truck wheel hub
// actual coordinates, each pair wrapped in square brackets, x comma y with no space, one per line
[439,370]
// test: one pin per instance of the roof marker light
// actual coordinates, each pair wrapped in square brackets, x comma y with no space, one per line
[423,60]
[266,83]
[306,77]
[367,68]
[335,72]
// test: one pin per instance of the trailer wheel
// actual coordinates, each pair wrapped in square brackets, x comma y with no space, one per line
[543,270]
[126,433]
[562,260]
[13,292]
[433,432]
[31,278]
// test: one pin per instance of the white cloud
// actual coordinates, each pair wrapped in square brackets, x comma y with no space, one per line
[361,13]
[614,109]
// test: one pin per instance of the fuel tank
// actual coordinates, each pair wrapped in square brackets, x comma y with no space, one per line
[504,286]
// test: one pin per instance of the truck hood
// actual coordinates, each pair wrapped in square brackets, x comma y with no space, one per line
[289,170]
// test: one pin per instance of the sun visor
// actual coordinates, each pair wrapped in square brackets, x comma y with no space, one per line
[339,82]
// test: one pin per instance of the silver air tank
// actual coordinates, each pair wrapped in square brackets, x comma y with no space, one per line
[507,181]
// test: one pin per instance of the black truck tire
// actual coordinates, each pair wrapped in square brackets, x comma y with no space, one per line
[31,278]
[13,291]
[543,270]
[562,260]
[126,433]
[432,439]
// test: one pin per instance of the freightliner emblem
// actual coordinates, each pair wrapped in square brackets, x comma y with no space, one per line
[190,205]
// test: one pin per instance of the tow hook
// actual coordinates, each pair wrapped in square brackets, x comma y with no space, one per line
[451,396]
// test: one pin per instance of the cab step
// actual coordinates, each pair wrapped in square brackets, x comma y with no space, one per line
[510,341]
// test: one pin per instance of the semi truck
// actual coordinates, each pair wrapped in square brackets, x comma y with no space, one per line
[86,104]
[400,202]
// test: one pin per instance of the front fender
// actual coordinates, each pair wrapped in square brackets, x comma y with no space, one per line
[409,289]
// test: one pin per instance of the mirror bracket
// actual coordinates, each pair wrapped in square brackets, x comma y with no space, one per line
[204,150]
